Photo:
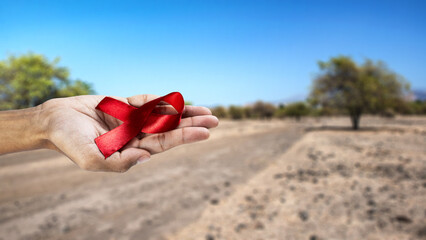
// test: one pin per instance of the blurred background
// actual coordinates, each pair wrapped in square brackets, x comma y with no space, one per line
[322,107]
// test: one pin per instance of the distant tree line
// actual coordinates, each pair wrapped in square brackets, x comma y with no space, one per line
[342,87]
[263,110]
[297,110]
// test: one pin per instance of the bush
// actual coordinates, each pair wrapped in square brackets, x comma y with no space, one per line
[280,111]
[388,113]
[248,112]
[219,112]
[296,110]
[417,107]
[263,110]
[236,112]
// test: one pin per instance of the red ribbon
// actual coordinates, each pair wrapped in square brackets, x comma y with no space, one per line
[136,120]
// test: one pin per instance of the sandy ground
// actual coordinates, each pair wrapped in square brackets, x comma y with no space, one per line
[332,184]
[44,196]
[313,180]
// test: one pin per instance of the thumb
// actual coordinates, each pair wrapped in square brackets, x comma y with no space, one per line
[124,160]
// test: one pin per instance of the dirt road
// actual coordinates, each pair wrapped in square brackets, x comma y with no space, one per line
[44,196]
[331,184]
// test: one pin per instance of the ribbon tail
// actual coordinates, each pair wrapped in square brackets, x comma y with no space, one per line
[115,139]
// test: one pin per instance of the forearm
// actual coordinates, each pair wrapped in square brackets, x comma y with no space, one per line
[21,130]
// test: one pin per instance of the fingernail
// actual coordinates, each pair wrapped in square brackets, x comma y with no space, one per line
[142,160]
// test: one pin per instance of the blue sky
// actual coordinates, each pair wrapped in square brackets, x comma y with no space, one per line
[215,52]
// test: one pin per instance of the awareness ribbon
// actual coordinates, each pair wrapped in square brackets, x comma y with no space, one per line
[136,120]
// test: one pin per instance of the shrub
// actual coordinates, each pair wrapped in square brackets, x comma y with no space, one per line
[263,110]
[248,112]
[296,110]
[236,112]
[219,111]
[280,111]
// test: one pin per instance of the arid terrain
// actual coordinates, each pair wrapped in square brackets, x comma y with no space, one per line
[314,179]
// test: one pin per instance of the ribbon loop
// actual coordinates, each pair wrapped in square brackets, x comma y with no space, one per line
[136,120]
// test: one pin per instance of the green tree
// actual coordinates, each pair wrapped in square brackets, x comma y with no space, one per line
[77,88]
[296,110]
[371,87]
[31,79]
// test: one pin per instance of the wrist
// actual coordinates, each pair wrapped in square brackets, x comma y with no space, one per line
[22,130]
[40,123]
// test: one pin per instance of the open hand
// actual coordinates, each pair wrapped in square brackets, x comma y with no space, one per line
[73,123]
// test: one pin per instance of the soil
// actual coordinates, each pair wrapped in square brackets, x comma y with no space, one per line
[313,179]
[332,184]
[44,196]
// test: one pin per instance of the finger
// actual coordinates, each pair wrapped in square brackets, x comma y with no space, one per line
[124,160]
[161,142]
[139,100]
[190,111]
[207,121]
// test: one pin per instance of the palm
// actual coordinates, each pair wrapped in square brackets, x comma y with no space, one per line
[74,124]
